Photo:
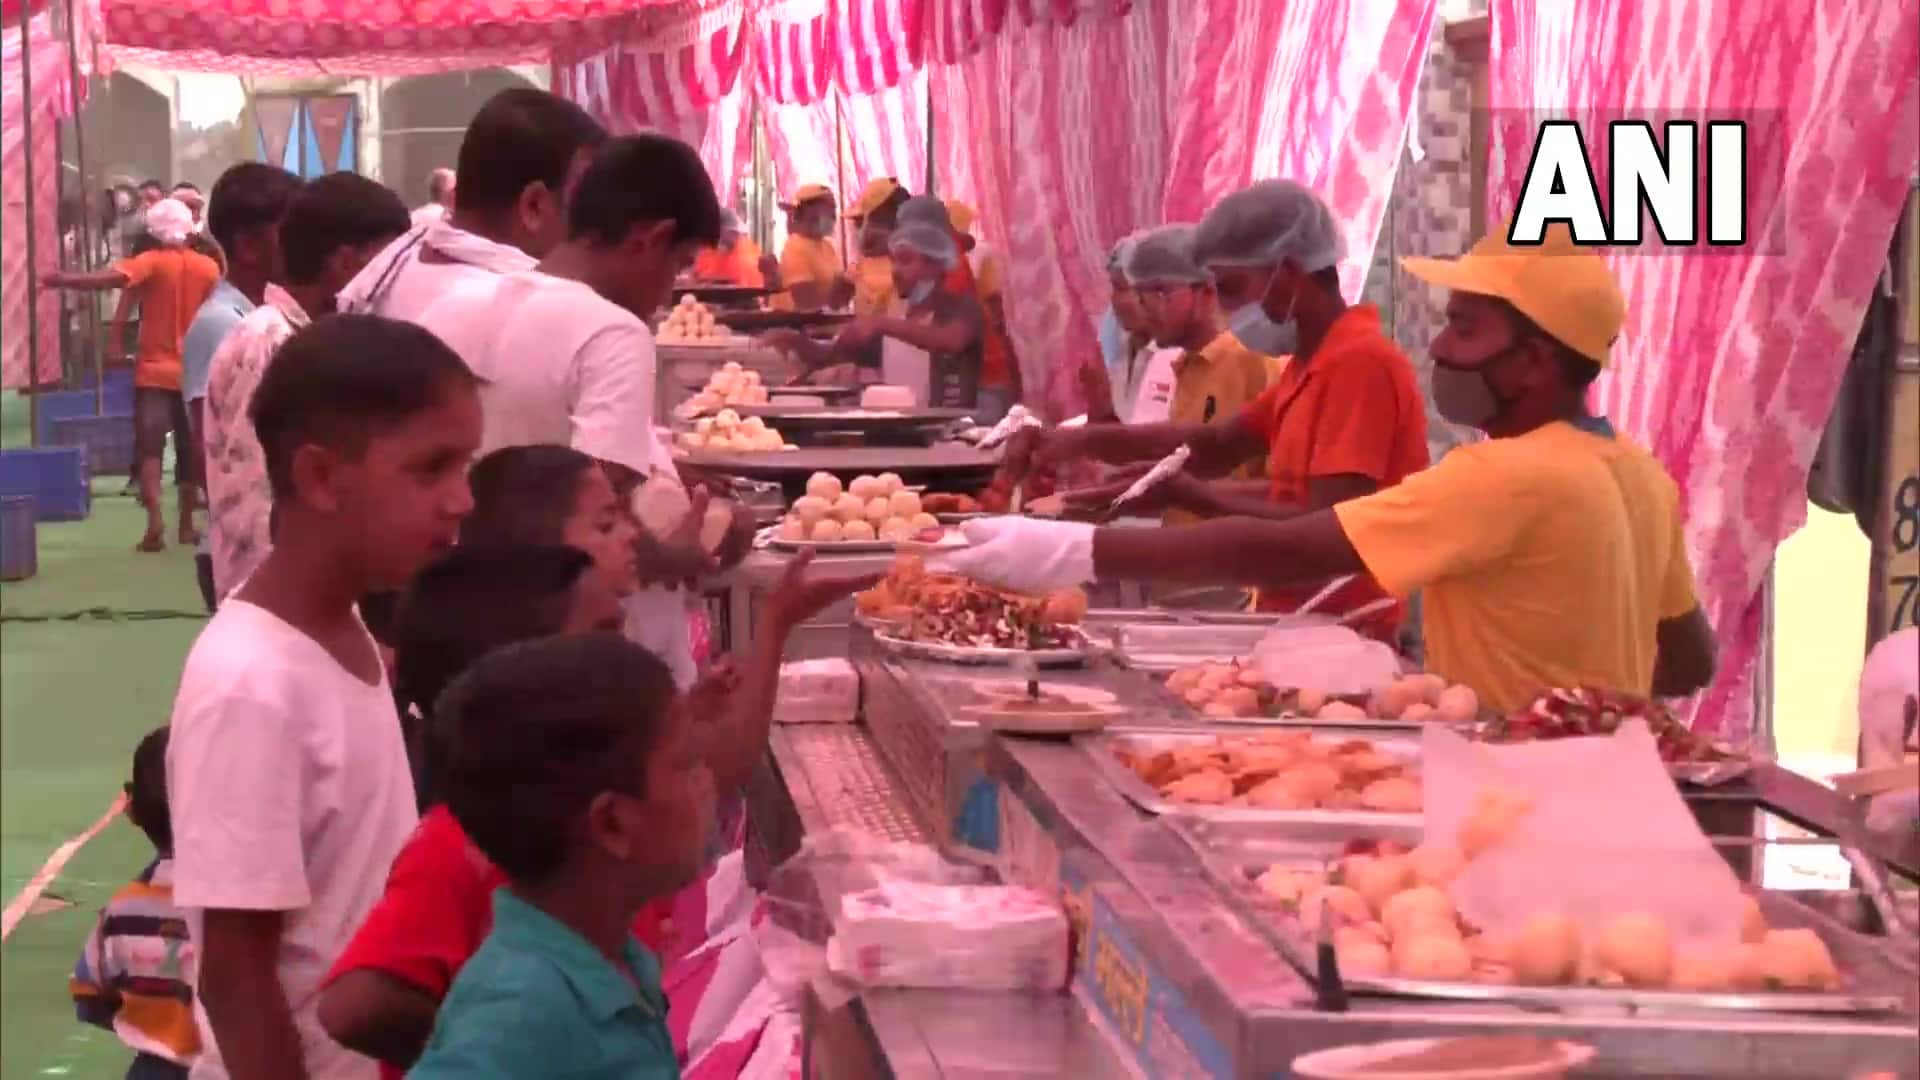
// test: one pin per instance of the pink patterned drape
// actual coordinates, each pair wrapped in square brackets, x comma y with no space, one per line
[1314,92]
[683,80]
[50,104]
[1074,122]
[1729,363]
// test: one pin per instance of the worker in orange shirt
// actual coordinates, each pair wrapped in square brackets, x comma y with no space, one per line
[1000,385]
[735,260]
[811,276]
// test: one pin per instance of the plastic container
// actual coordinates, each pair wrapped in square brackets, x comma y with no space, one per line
[56,477]
[107,441]
[19,541]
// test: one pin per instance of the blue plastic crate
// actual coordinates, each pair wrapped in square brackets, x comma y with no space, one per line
[55,476]
[119,394]
[107,441]
[52,407]
[19,538]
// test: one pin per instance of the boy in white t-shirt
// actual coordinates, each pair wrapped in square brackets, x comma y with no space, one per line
[288,775]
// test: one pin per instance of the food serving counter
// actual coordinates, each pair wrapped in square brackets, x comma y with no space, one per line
[1169,978]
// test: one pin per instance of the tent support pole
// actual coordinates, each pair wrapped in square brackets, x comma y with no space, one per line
[840,177]
[33,224]
[86,212]
[927,100]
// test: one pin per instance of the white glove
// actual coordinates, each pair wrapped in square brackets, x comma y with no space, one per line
[1022,554]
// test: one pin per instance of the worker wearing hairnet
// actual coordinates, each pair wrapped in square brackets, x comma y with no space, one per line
[1134,383]
[1550,554]
[1343,418]
[930,342]
[1215,376]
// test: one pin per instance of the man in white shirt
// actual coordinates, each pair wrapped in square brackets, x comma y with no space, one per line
[332,227]
[439,204]
[565,356]
[518,161]
[286,772]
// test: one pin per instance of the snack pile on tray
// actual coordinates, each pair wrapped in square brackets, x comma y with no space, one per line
[728,433]
[1282,770]
[690,321]
[943,503]
[731,385]
[1560,714]
[869,508]
[1235,690]
[948,609]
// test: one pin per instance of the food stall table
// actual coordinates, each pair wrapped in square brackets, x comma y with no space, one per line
[947,466]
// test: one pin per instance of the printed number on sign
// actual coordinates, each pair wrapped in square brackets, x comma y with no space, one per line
[1906,536]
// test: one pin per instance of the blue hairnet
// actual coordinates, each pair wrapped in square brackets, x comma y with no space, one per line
[1117,258]
[1271,221]
[926,210]
[927,239]
[1164,256]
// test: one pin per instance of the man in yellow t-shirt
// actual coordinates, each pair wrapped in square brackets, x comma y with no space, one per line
[1549,555]
[873,214]
[810,271]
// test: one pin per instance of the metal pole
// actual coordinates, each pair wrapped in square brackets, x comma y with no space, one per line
[840,178]
[33,269]
[931,185]
[86,210]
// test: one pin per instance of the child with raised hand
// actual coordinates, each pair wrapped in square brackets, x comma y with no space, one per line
[289,779]
[135,973]
[611,806]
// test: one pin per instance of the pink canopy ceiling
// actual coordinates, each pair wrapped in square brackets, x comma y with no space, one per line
[375,36]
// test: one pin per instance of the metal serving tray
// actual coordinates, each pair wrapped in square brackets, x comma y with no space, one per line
[1233,854]
[1100,749]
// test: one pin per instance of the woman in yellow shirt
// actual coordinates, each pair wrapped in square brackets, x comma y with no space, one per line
[1548,556]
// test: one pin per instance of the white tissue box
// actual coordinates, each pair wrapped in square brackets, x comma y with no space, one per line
[974,937]
[817,692]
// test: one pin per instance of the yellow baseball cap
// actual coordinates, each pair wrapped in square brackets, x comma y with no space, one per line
[961,215]
[1564,288]
[806,194]
[873,197]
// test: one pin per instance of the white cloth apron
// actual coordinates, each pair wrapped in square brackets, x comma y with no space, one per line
[1154,400]
[902,364]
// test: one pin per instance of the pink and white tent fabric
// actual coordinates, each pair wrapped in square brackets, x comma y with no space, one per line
[1729,363]
[51,102]
[682,79]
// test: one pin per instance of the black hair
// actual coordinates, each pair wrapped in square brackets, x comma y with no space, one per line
[344,379]
[523,494]
[337,210]
[469,603]
[154,184]
[1577,370]
[519,138]
[186,185]
[537,731]
[248,197]
[1327,278]
[147,791]
[637,179]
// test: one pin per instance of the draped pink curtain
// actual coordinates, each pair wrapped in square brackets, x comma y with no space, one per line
[1314,92]
[1730,362]
[51,103]
[684,80]
[1074,122]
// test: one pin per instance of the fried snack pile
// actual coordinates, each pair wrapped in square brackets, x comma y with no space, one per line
[1560,714]
[952,610]
[1234,690]
[1282,770]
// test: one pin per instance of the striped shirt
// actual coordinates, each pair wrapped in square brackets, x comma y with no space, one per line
[135,974]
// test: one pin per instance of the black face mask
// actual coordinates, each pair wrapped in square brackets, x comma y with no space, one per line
[1465,396]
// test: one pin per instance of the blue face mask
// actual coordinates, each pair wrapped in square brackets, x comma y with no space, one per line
[1261,334]
[919,293]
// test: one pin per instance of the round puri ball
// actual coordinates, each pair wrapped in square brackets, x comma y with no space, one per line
[1436,864]
[1362,956]
[1375,878]
[1422,905]
[824,485]
[1457,705]
[865,487]
[859,530]
[849,507]
[905,503]
[923,521]
[1184,679]
[1393,795]
[1430,687]
[877,512]
[1340,710]
[753,424]
[896,529]
[890,482]
[792,527]
[1547,951]
[1433,956]
[811,508]
[826,531]
[1309,702]
[1706,969]
[1636,947]
[1342,904]
[1394,698]
[1798,960]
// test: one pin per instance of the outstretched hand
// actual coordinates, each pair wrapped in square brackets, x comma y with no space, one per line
[799,597]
